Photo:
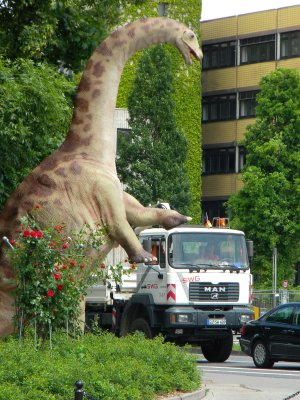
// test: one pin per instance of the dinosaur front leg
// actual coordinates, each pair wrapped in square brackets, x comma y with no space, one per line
[138,215]
[111,205]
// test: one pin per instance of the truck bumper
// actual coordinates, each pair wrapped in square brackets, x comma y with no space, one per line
[194,325]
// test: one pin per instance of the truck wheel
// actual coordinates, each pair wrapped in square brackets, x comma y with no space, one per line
[218,350]
[261,355]
[141,325]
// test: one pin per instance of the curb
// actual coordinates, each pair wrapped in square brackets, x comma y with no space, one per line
[198,394]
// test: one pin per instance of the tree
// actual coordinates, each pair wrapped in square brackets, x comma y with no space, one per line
[35,112]
[65,30]
[268,206]
[151,157]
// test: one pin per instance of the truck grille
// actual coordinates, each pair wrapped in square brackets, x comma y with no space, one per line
[206,291]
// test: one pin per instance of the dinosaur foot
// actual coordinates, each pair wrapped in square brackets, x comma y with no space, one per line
[144,256]
[173,219]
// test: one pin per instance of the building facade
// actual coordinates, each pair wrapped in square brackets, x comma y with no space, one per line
[238,52]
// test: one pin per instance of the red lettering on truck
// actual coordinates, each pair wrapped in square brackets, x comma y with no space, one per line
[152,286]
[188,279]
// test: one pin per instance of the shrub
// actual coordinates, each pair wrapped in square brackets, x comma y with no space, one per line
[53,271]
[129,368]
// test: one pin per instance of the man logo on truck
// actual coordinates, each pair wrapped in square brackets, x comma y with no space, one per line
[215,289]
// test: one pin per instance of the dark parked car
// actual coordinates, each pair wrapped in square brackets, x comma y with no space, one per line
[273,337]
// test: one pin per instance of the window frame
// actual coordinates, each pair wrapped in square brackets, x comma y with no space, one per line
[219,107]
[218,160]
[287,41]
[257,49]
[247,101]
[217,52]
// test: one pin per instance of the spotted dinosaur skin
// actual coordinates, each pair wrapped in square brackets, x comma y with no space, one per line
[78,183]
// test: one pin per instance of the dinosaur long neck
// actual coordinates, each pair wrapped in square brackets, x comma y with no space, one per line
[92,129]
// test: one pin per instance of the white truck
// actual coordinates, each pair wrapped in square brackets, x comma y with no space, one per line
[198,291]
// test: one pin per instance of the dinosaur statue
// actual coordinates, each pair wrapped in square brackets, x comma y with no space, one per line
[78,183]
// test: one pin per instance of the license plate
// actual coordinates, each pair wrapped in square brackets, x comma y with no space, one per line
[216,321]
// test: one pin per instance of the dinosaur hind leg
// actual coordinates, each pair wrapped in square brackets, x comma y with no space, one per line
[139,215]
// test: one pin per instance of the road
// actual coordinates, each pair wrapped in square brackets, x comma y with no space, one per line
[238,378]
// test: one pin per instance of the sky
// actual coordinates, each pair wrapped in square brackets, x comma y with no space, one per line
[212,9]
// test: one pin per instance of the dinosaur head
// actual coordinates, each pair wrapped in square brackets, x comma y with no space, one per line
[188,45]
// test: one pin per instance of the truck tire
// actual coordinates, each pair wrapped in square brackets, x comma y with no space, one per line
[219,350]
[141,325]
[261,355]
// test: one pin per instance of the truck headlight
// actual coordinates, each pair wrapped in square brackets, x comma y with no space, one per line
[182,318]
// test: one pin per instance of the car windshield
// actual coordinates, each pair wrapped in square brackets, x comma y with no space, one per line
[204,250]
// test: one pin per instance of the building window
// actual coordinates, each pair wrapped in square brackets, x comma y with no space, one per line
[219,108]
[257,49]
[218,161]
[247,104]
[290,44]
[219,55]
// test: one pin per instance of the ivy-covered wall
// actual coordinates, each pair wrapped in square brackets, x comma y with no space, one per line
[187,82]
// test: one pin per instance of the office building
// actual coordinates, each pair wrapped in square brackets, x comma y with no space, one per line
[238,52]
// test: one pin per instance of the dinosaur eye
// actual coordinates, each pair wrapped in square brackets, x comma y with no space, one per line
[191,35]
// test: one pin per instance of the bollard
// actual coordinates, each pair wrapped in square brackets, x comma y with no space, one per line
[78,390]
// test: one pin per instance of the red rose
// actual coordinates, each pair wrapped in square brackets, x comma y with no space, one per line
[37,206]
[50,293]
[72,263]
[82,266]
[12,241]
[65,245]
[60,287]
[56,268]
[51,245]
[33,234]
[57,277]
[26,233]
[39,234]
[64,266]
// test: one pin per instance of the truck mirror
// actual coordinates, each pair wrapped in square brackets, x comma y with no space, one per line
[147,245]
[249,244]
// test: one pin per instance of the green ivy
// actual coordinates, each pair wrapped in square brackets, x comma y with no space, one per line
[187,83]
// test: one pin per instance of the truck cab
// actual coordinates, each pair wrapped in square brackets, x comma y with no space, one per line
[199,289]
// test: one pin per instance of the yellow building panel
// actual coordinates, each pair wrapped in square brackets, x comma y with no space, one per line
[290,63]
[219,28]
[219,132]
[220,185]
[257,22]
[225,131]
[239,182]
[242,126]
[250,74]
[252,23]
[218,79]
[288,17]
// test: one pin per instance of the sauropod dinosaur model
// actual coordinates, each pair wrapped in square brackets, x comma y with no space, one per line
[78,184]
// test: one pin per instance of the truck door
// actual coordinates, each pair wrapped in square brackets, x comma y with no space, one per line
[153,275]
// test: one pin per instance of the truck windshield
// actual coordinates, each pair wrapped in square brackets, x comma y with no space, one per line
[201,250]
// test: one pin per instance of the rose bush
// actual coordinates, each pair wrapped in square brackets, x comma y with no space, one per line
[52,272]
